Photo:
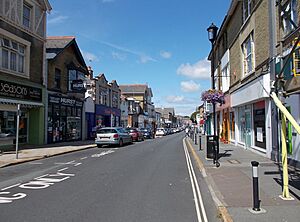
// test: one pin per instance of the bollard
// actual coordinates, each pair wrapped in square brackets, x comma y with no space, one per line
[199,141]
[195,138]
[255,185]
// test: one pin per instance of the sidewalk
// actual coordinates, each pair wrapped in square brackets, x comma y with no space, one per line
[31,152]
[231,184]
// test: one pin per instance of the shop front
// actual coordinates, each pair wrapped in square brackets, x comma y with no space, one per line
[107,116]
[253,117]
[224,119]
[64,119]
[31,113]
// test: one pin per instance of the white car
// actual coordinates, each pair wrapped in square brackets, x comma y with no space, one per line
[112,136]
[160,132]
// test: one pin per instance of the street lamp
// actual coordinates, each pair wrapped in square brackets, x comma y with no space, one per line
[212,35]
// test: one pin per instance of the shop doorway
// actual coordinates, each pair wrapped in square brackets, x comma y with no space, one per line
[248,137]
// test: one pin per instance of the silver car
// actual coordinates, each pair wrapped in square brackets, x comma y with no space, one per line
[112,136]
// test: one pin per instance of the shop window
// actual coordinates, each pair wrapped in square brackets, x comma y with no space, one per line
[232,125]
[12,56]
[259,124]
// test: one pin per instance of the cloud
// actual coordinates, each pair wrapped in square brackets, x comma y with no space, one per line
[57,19]
[165,54]
[189,86]
[146,58]
[175,99]
[118,56]
[90,57]
[199,70]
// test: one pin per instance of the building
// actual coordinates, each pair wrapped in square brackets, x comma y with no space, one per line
[67,72]
[240,58]
[22,70]
[286,19]
[105,97]
[167,116]
[144,112]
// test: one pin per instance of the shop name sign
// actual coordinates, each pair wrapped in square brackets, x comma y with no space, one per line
[17,91]
[77,85]
[65,101]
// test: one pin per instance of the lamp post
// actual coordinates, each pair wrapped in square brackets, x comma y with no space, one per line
[212,35]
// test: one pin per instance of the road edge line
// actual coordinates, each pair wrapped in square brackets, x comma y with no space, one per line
[225,216]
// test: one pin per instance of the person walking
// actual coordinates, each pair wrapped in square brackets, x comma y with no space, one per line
[187,132]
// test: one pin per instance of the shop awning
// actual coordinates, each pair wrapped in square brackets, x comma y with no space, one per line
[26,104]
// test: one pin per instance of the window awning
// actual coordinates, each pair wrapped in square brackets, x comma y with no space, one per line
[24,104]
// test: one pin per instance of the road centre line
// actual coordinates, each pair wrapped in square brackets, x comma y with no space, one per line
[195,186]
[77,164]
[83,158]
[6,188]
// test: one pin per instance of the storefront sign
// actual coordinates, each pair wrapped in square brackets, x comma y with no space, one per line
[17,91]
[77,85]
[65,101]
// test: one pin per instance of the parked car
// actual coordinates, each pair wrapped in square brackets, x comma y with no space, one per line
[160,132]
[148,133]
[112,136]
[135,134]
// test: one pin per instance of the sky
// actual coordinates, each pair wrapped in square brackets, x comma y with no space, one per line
[162,43]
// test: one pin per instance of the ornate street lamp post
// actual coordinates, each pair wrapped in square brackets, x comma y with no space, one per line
[212,35]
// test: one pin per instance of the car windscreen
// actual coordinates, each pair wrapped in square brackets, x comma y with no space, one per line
[105,131]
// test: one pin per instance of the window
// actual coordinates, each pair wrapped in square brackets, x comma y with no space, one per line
[12,55]
[248,57]
[289,16]
[57,79]
[247,8]
[26,15]
[225,78]
[75,75]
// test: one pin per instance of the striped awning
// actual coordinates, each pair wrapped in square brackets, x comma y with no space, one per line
[24,104]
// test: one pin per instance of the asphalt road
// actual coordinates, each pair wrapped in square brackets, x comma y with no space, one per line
[145,181]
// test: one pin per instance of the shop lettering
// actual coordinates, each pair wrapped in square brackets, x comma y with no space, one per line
[19,90]
[67,101]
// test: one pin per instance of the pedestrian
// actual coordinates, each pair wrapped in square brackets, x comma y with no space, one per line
[187,132]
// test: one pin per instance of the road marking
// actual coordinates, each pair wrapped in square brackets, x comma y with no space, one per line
[83,158]
[6,188]
[68,163]
[103,153]
[63,169]
[77,164]
[195,187]
[35,163]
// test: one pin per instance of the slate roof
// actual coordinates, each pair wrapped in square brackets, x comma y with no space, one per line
[56,44]
[133,88]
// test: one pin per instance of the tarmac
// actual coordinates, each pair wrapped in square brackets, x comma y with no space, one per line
[27,153]
[230,184]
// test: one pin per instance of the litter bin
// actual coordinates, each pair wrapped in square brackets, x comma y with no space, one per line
[211,144]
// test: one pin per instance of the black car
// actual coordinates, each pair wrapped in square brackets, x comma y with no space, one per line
[148,134]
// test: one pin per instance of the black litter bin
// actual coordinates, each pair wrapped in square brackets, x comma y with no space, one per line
[211,144]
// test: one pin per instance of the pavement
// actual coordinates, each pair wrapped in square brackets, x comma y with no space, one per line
[33,152]
[231,184]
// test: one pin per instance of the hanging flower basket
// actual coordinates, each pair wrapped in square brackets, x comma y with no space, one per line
[213,96]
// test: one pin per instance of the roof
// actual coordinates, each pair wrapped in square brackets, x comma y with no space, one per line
[165,110]
[57,44]
[133,88]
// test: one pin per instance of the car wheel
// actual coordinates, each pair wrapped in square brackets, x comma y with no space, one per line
[99,145]
[120,143]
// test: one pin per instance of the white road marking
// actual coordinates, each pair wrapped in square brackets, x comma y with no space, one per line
[195,187]
[77,164]
[63,169]
[6,188]
[103,153]
[35,163]
[68,163]
[83,158]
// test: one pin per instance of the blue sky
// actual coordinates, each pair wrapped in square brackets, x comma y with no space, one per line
[159,42]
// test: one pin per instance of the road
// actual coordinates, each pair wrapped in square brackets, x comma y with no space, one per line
[145,181]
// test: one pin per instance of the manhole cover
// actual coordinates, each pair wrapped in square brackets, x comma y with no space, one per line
[234,161]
